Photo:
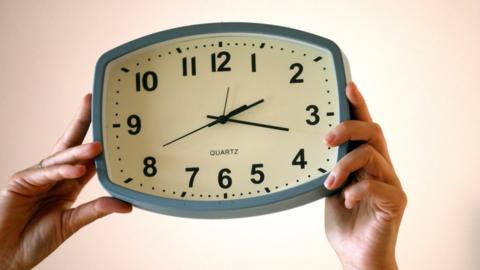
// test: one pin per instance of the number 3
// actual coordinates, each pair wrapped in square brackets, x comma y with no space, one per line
[314,113]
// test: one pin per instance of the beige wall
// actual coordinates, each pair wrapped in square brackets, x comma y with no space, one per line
[417,62]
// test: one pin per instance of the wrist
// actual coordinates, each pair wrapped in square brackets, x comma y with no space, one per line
[371,264]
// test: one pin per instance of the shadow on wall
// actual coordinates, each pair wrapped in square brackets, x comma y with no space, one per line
[474,245]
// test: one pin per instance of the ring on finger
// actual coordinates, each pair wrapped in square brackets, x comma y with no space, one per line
[40,164]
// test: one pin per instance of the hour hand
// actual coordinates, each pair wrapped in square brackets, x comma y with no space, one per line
[249,123]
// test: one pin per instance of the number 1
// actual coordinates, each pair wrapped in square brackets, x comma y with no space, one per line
[254,63]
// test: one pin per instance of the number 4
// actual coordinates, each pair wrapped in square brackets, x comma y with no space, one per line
[299,159]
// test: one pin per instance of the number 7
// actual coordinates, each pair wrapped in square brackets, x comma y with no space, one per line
[195,171]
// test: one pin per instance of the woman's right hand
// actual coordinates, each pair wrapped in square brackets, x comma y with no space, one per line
[35,208]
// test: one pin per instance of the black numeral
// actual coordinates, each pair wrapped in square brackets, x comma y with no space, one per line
[295,78]
[224,180]
[149,170]
[148,81]
[193,64]
[254,63]
[195,171]
[133,121]
[256,171]
[299,159]
[314,113]
[222,66]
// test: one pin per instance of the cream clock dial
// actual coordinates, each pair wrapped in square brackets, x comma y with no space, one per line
[219,120]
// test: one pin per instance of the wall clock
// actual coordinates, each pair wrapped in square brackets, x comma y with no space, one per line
[219,120]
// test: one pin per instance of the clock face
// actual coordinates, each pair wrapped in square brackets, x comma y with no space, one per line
[221,118]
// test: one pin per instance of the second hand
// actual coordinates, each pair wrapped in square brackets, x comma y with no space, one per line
[226,99]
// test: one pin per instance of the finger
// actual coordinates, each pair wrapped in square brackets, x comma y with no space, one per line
[74,155]
[389,199]
[355,130]
[366,158]
[75,218]
[69,189]
[359,107]
[73,187]
[91,171]
[82,181]
[31,182]
[78,127]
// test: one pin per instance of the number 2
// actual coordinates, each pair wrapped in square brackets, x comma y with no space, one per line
[295,78]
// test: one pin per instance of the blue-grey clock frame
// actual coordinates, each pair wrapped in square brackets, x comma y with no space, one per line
[269,203]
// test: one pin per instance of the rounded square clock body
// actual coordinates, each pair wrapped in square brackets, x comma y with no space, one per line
[219,120]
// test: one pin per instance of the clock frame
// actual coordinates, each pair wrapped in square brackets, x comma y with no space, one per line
[221,207]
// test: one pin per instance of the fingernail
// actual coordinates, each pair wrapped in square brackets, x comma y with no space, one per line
[328,139]
[353,87]
[330,180]
[95,144]
[348,205]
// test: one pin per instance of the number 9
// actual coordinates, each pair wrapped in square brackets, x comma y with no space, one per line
[135,124]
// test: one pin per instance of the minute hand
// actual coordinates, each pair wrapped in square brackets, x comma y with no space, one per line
[222,119]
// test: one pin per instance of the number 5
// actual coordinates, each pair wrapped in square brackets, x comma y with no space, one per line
[256,170]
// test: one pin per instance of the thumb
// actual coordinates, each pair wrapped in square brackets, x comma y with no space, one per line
[75,218]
